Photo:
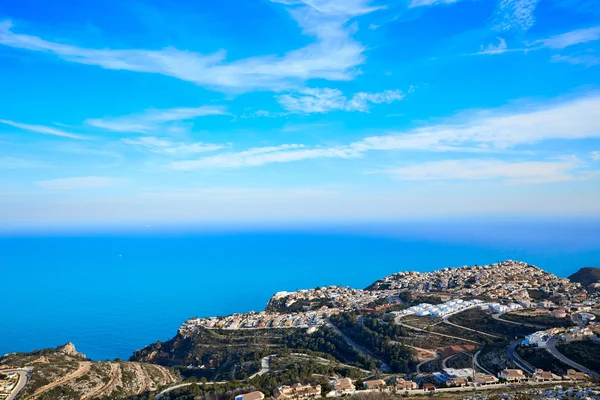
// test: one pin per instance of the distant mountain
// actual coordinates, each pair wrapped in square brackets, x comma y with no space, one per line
[586,276]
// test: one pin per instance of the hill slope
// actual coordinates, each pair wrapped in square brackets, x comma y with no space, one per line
[586,276]
[65,374]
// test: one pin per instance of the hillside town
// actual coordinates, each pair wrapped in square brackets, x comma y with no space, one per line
[506,280]
[508,283]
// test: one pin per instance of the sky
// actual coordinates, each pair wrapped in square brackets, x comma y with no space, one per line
[150,111]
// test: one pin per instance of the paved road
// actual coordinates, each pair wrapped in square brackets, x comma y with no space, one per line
[265,367]
[24,374]
[435,357]
[524,365]
[551,346]
[182,385]
[476,362]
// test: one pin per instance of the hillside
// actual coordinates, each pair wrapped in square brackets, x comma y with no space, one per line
[63,373]
[586,276]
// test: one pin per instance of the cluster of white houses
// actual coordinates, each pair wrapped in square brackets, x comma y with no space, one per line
[455,306]
[438,310]
[8,382]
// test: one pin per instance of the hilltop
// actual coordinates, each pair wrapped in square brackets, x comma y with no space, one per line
[586,276]
[63,373]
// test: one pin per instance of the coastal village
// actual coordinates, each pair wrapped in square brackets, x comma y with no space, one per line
[496,289]
[507,282]
[509,293]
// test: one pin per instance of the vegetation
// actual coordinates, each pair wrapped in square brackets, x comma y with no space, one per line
[539,319]
[541,358]
[484,322]
[586,353]
[586,276]
[236,354]
[494,357]
[378,336]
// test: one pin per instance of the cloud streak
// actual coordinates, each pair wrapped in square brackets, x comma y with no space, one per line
[152,120]
[495,130]
[77,183]
[171,148]
[333,56]
[525,172]
[309,101]
[44,130]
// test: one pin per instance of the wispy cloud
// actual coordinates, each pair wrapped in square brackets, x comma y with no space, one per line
[490,169]
[515,14]
[556,42]
[500,48]
[45,130]
[422,3]
[265,155]
[87,182]
[333,56]
[169,147]
[484,131]
[311,100]
[153,120]
[595,155]
[585,59]
[570,38]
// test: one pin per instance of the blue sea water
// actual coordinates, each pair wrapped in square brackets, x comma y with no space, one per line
[112,292]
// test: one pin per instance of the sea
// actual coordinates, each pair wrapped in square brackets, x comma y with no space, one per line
[114,290]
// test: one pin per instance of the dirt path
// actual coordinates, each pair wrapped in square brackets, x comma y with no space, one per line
[84,368]
[166,375]
[144,384]
[115,376]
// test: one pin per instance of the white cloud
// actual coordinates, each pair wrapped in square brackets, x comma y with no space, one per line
[264,155]
[515,14]
[325,100]
[45,130]
[333,56]
[482,131]
[152,120]
[168,147]
[570,38]
[584,59]
[595,155]
[495,49]
[421,3]
[489,169]
[87,182]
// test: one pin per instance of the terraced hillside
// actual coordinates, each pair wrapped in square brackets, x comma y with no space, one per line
[65,374]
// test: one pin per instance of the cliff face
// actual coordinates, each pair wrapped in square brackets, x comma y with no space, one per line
[586,276]
[69,349]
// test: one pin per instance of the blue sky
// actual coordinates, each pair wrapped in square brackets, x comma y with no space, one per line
[279,110]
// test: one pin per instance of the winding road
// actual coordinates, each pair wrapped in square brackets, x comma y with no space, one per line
[23,379]
[551,347]
[524,365]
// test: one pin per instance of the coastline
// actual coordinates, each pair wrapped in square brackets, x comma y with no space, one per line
[126,303]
